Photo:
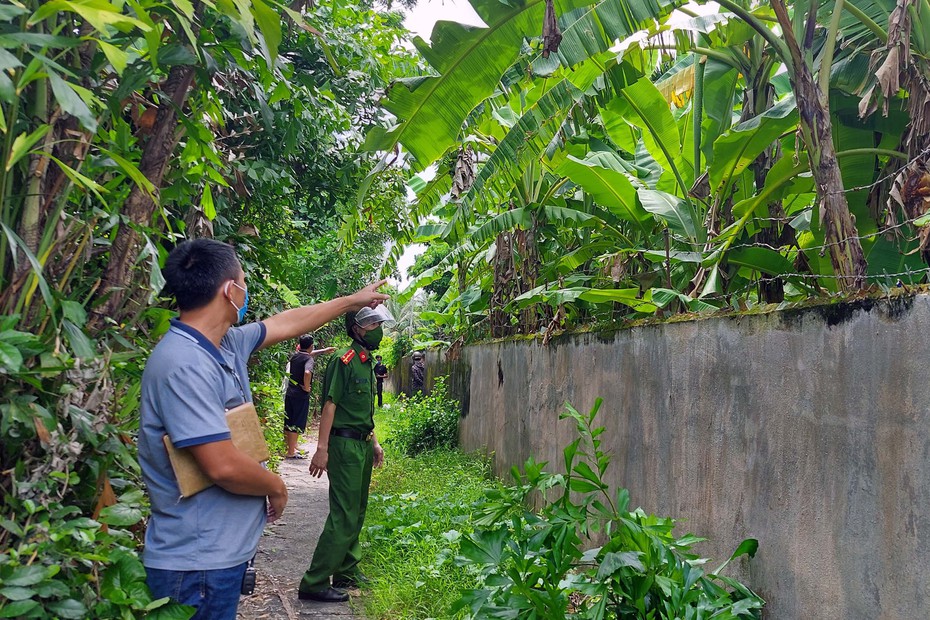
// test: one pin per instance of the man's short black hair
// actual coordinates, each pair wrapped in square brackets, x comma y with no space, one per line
[306,342]
[377,357]
[195,269]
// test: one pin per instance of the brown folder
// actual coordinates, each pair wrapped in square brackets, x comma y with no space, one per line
[247,436]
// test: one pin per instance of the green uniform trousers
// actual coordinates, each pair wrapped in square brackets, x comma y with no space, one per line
[338,550]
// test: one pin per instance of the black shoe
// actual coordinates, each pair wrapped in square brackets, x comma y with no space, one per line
[329,595]
[351,581]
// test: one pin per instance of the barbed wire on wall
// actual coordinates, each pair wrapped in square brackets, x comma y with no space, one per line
[826,246]
[890,279]
[858,188]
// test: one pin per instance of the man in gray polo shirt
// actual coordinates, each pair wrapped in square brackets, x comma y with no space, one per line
[197,548]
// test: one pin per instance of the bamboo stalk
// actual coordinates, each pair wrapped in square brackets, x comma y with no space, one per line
[32,205]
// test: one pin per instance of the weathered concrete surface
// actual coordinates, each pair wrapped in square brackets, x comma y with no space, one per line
[807,429]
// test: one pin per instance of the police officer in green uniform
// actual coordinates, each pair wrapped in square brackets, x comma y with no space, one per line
[347,450]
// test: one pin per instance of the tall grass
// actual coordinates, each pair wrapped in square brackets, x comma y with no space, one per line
[419,509]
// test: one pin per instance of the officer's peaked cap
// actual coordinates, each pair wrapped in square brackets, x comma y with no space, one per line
[379,314]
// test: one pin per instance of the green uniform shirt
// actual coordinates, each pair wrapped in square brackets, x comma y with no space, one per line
[350,384]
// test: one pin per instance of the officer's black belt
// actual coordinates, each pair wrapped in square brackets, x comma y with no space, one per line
[350,434]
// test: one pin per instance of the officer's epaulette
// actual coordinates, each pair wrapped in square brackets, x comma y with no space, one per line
[348,356]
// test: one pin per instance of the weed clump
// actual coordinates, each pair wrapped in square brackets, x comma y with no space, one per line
[429,422]
[538,564]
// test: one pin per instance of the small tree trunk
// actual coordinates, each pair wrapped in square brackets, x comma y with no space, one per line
[533,317]
[841,235]
[140,207]
[504,282]
[842,238]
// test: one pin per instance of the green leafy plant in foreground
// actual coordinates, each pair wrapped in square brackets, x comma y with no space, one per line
[72,509]
[535,564]
[68,566]
[420,508]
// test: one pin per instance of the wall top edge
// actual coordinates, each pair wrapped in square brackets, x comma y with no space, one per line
[894,304]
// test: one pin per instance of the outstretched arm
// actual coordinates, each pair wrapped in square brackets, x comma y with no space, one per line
[292,323]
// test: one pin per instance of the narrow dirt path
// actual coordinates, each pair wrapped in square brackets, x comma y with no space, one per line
[285,550]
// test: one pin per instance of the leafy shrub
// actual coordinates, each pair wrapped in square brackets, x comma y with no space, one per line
[66,450]
[534,565]
[269,403]
[428,422]
[62,565]
[393,352]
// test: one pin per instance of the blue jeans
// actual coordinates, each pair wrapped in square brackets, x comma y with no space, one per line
[215,593]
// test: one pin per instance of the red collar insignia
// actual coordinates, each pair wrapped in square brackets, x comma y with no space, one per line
[348,356]
[363,357]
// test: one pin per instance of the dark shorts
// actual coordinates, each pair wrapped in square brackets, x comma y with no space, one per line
[295,413]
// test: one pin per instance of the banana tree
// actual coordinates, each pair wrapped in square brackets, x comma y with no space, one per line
[696,167]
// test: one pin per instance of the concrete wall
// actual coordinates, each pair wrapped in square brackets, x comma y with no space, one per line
[807,429]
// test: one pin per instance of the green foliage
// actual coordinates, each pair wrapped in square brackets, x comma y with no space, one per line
[64,455]
[536,564]
[47,571]
[429,422]
[269,402]
[591,172]
[432,108]
[418,512]
[432,531]
[401,345]
[270,112]
[428,259]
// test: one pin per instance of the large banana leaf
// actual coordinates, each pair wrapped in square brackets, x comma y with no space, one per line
[596,28]
[736,149]
[605,176]
[535,132]
[471,60]
[761,259]
[854,32]
[674,211]
[661,297]
[886,257]
[576,258]
[719,93]
[429,193]
[523,217]
[555,297]
[525,142]
[641,105]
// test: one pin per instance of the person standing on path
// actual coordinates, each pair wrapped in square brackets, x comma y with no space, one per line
[197,547]
[297,396]
[417,374]
[347,450]
[381,373]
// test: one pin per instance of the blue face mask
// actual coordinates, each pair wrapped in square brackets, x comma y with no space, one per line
[245,304]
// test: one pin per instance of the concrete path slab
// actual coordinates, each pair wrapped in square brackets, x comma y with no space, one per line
[286,548]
